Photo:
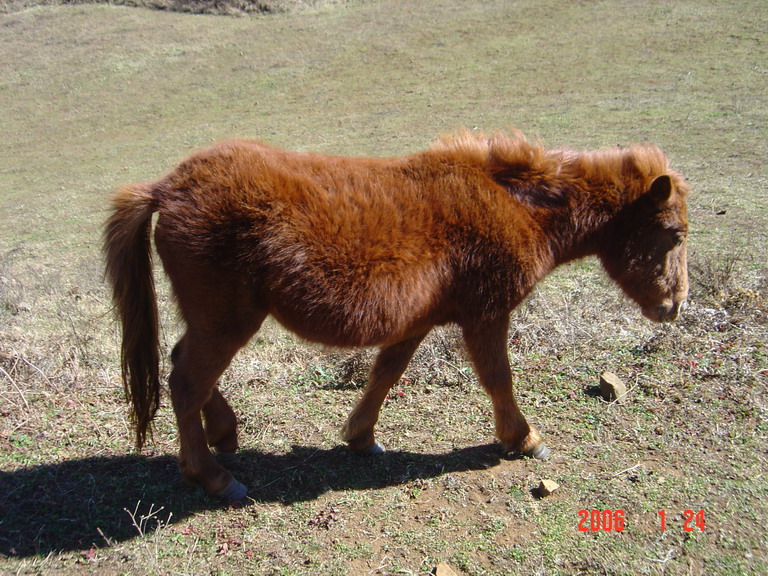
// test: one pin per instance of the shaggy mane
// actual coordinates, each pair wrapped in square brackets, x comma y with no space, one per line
[542,176]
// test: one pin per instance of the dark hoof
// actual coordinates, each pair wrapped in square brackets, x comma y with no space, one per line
[233,491]
[375,448]
[372,450]
[540,452]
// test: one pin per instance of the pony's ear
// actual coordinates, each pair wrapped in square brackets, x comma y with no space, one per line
[661,190]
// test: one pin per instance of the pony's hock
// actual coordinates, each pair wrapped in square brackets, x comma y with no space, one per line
[375,252]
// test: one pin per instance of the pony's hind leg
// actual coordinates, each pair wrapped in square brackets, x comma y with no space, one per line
[220,425]
[214,335]
[487,347]
[219,418]
[387,369]
[192,381]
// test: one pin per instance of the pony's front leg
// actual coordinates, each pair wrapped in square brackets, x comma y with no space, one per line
[487,347]
[192,383]
[387,369]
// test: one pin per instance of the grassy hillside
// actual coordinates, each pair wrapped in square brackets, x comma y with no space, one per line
[96,95]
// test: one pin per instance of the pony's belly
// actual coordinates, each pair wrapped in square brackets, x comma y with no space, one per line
[330,327]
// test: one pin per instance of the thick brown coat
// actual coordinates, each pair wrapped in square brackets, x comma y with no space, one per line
[375,252]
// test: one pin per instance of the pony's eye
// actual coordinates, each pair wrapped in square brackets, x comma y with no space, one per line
[675,235]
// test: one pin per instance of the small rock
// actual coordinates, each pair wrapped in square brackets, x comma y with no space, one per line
[612,388]
[546,487]
[443,569]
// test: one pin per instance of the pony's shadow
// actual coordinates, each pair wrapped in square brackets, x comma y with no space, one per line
[78,504]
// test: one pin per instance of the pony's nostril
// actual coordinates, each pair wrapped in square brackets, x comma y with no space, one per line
[678,308]
[670,312]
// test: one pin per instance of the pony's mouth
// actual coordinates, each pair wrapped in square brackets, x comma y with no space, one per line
[665,312]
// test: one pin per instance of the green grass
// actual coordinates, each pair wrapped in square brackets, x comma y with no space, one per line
[94,96]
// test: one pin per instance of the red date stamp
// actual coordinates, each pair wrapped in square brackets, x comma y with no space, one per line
[615,520]
[692,520]
[601,520]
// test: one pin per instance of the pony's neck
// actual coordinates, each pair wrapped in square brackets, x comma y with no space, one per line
[587,191]
[571,197]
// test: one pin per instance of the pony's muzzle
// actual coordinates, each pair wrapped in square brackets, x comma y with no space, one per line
[670,312]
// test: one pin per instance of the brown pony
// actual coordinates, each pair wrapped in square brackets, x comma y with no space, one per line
[375,252]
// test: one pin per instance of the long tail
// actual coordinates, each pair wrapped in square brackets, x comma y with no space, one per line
[129,269]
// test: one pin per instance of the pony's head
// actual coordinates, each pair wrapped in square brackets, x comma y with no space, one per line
[646,250]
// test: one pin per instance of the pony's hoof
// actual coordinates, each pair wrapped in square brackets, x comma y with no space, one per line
[233,491]
[371,450]
[374,449]
[539,452]
[362,447]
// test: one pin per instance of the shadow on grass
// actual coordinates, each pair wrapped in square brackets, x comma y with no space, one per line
[76,504]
